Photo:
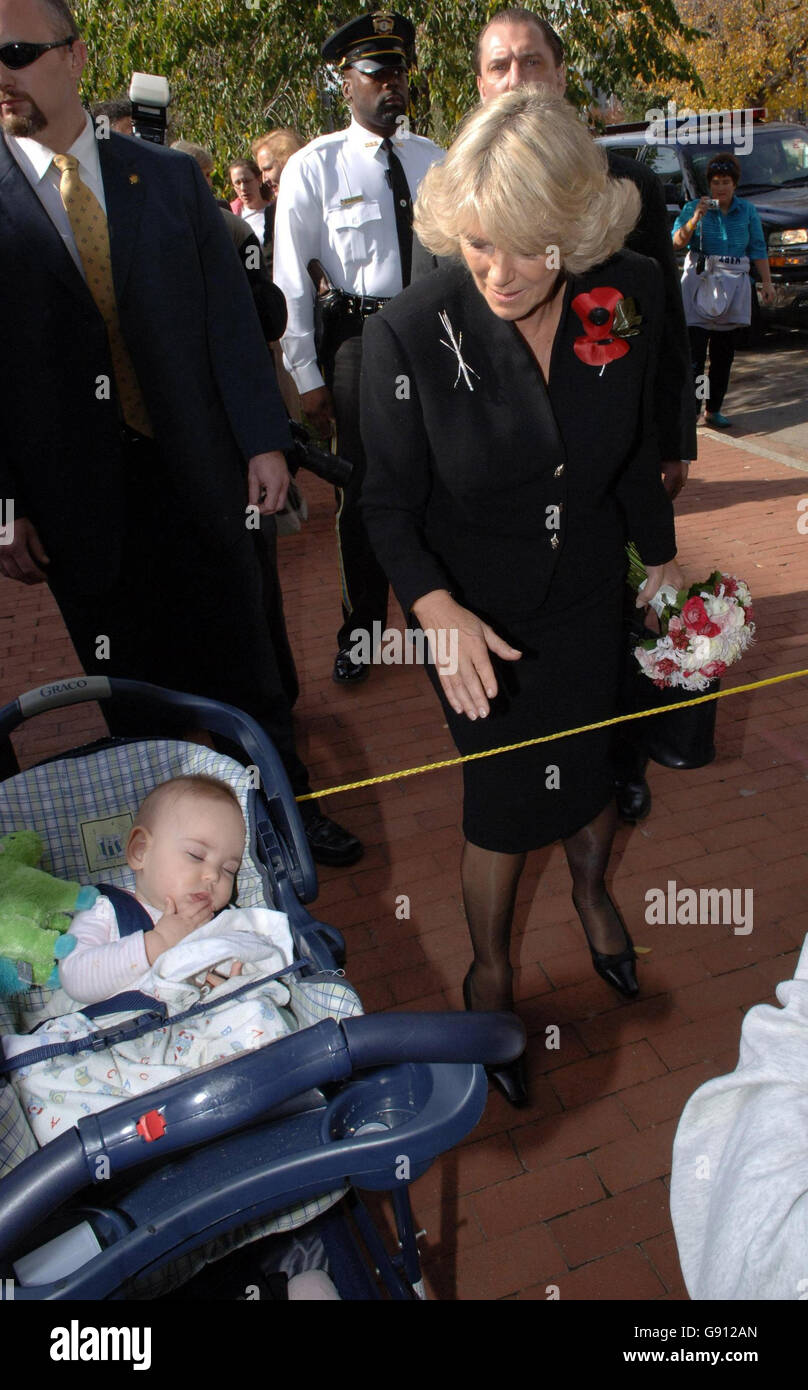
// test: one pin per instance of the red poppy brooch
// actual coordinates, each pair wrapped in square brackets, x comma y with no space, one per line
[607,319]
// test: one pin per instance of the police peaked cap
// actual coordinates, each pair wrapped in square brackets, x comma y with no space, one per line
[383,39]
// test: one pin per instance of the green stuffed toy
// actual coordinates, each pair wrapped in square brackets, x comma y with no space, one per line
[35,913]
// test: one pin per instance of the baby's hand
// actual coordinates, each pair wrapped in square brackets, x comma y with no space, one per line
[214,978]
[173,927]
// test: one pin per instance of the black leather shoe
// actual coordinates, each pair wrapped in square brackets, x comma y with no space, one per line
[510,1078]
[330,843]
[347,671]
[633,800]
[618,970]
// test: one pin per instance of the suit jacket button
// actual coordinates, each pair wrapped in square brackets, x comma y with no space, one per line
[554,542]
[558,471]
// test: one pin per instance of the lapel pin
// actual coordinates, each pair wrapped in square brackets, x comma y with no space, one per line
[134,178]
[454,345]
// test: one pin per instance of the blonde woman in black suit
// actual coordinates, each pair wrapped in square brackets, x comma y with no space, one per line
[512,452]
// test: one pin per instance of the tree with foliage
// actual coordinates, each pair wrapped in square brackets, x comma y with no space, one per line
[237,67]
[755,53]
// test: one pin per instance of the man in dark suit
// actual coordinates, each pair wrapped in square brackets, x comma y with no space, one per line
[140,415]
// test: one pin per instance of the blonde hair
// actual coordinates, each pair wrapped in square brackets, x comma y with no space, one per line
[281,143]
[524,170]
[199,784]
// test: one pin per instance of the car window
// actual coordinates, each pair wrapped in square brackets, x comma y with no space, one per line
[665,162]
[776,158]
[627,151]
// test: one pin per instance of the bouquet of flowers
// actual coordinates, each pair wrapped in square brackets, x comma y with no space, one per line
[703,629]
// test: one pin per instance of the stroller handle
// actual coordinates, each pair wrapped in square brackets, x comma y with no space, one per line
[227,720]
[381,1039]
[226,1096]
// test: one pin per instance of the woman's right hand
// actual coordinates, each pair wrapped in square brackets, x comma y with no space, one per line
[702,206]
[467,677]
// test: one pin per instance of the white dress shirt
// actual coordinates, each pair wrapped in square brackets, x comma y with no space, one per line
[36,162]
[335,205]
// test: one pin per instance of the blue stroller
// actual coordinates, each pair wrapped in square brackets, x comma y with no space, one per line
[268,1141]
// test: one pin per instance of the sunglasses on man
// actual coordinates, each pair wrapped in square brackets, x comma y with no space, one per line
[22,55]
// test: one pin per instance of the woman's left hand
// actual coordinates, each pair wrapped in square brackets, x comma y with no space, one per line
[669,573]
[767,294]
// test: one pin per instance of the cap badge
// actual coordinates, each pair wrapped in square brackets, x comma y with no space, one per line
[383,24]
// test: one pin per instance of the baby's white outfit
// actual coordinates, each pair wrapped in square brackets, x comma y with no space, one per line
[58,1092]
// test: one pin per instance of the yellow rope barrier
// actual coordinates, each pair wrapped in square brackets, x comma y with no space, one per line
[549,738]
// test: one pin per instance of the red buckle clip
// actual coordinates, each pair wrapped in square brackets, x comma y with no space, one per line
[151,1126]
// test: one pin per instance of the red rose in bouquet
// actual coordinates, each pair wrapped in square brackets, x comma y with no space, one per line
[695,616]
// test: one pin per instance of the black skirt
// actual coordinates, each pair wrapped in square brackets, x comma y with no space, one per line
[568,676]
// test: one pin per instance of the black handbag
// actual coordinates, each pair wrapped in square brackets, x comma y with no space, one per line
[679,738]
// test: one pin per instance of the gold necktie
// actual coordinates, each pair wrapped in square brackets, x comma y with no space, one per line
[89,226]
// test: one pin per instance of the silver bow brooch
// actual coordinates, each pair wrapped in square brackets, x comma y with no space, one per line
[454,345]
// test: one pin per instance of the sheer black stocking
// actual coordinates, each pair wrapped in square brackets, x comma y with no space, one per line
[588,857]
[489,884]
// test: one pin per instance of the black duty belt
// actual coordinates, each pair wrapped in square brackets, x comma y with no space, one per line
[363,305]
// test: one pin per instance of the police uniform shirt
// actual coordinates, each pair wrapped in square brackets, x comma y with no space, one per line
[335,205]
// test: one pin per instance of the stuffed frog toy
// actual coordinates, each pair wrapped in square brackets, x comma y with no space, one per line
[35,913]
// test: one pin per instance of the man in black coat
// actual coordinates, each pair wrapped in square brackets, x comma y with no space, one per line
[142,428]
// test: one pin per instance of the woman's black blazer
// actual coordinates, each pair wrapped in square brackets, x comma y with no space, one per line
[481,482]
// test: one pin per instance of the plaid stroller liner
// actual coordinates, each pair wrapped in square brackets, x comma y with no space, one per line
[82,808]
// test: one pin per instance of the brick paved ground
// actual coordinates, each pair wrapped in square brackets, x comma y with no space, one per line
[573,1190]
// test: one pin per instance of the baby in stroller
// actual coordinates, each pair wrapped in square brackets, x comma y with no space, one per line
[173,940]
[267,1140]
[184,849]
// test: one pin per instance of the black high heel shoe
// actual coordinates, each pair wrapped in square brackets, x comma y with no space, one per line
[510,1078]
[617,970]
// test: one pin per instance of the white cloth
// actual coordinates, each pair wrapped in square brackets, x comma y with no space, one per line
[102,964]
[739,1186]
[57,1093]
[335,205]
[257,936]
[721,297]
[36,162]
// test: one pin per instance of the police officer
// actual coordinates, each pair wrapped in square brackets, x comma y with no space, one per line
[343,228]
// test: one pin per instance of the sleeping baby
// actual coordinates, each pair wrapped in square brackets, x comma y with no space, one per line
[184,849]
